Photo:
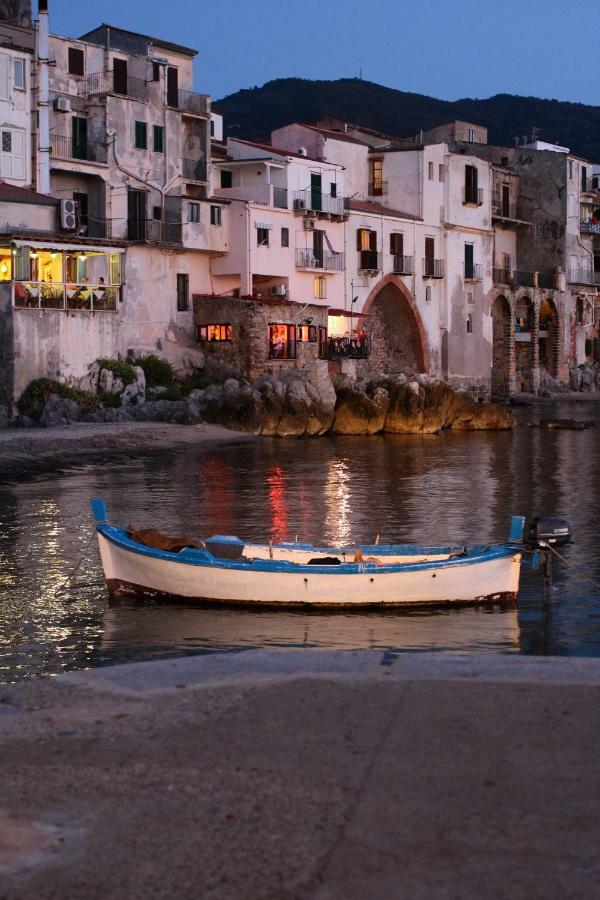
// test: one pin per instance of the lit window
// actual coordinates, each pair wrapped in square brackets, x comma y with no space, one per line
[323,345]
[215,215]
[193,212]
[320,288]
[214,332]
[19,74]
[282,341]
[306,334]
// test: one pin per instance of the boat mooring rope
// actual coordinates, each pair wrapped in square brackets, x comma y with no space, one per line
[575,568]
[62,587]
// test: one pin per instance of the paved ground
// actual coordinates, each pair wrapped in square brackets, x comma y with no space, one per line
[30,451]
[303,775]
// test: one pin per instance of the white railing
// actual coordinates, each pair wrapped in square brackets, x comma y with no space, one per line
[317,201]
[66,297]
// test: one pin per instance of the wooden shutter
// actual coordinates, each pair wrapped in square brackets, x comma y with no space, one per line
[75,61]
[373,241]
[172,87]
[120,76]
[429,248]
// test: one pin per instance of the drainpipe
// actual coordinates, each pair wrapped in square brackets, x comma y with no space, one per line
[43,98]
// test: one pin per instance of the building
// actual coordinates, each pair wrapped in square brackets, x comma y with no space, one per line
[16,53]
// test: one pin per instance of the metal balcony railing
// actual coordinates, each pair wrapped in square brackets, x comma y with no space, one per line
[591,185]
[546,280]
[525,279]
[154,231]
[369,261]
[194,169]
[308,259]
[316,201]
[87,297]
[511,211]
[94,227]
[378,188]
[584,276]
[65,147]
[472,196]
[348,348]
[502,276]
[403,265]
[433,268]
[589,227]
[473,271]
[193,104]
[108,83]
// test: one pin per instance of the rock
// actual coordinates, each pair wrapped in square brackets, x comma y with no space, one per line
[59,411]
[156,391]
[25,422]
[135,393]
[215,369]
[161,411]
[4,416]
[106,381]
[231,388]
[359,413]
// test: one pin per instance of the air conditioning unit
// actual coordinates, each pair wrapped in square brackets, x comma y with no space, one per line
[62,104]
[309,224]
[68,215]
[299,204]
[278,290]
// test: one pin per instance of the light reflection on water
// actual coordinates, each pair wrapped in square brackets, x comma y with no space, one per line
[434,489]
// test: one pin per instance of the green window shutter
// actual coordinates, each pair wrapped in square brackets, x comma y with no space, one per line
[141,136]
[159,139]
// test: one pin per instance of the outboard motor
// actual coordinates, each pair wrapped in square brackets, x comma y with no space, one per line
[549,530]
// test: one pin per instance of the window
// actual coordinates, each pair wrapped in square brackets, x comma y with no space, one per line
[469,261]
[159,138]
[156,213]
[471,189]
[193,212]
[155,71]
[470,300]
[19,74]
[320,287]
[584,178]
[285,237]
[469,324]
[376,186]
[323,347]
[226,178]
[141,136]
[333,189]
[397,244]
[215,215]
[282,341]
[366,239]
[570,168]
[214,332]
[504,161]
[183,291]
[12,153]
[4,70]
[430,171]
[75,61]
[212,127]
[306,334]
[440,172]
[428,293]
[262,236]
[115,268]
[472,136]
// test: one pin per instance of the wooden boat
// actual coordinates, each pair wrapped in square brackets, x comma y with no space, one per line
[303,575]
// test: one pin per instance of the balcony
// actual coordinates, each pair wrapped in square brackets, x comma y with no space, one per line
[66,297]
[403,265]
[509,212]
[369,261]
[525,279]
[329,262]
[318,202]
[348,348]
[472,196]
[433,268]
[280,197]
[154,231]
[591,185]
[64,147]
[191,104]
[194,169]
[267,194]
[584,276]
[502,276]
[108,83]
[589,227]
[473,272]
[517,278]
[94,227]
[378,188]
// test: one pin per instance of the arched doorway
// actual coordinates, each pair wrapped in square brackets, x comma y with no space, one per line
[524,344]
[548,337]
[502,349]
[398,338]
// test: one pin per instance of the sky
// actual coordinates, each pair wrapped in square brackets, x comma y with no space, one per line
[449,50]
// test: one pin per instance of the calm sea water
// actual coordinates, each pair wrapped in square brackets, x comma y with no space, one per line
[443,489]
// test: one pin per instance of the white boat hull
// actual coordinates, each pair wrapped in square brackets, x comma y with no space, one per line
[493,579]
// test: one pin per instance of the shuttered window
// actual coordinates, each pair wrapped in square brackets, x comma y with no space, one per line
[159,138]
[76,61]
[183,291]
[141,136]
[397,244]
[12,155]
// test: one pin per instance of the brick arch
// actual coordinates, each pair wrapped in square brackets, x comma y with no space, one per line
[422,350]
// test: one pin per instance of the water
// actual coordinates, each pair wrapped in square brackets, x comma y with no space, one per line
[446,489]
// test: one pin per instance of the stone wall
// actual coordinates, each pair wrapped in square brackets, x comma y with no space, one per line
[6,346]
[248,351]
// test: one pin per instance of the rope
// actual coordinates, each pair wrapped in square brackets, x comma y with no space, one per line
[61,588]
[571,566]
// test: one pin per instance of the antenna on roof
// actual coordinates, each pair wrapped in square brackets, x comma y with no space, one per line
[360,73]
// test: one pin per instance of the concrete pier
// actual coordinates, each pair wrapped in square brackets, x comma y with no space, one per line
[303,774]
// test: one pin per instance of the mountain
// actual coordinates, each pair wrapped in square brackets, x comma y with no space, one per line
[255,112]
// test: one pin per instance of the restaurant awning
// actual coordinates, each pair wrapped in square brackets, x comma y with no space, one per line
[77,248]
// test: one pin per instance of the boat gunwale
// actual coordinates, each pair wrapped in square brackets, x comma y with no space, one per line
[205,559]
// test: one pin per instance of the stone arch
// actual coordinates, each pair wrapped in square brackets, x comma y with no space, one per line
[503,347]
[525,344]
[549,336]
[399,339]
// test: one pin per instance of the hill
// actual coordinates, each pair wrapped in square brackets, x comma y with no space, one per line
[255,112]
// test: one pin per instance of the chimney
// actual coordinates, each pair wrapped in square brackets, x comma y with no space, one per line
[43,100]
